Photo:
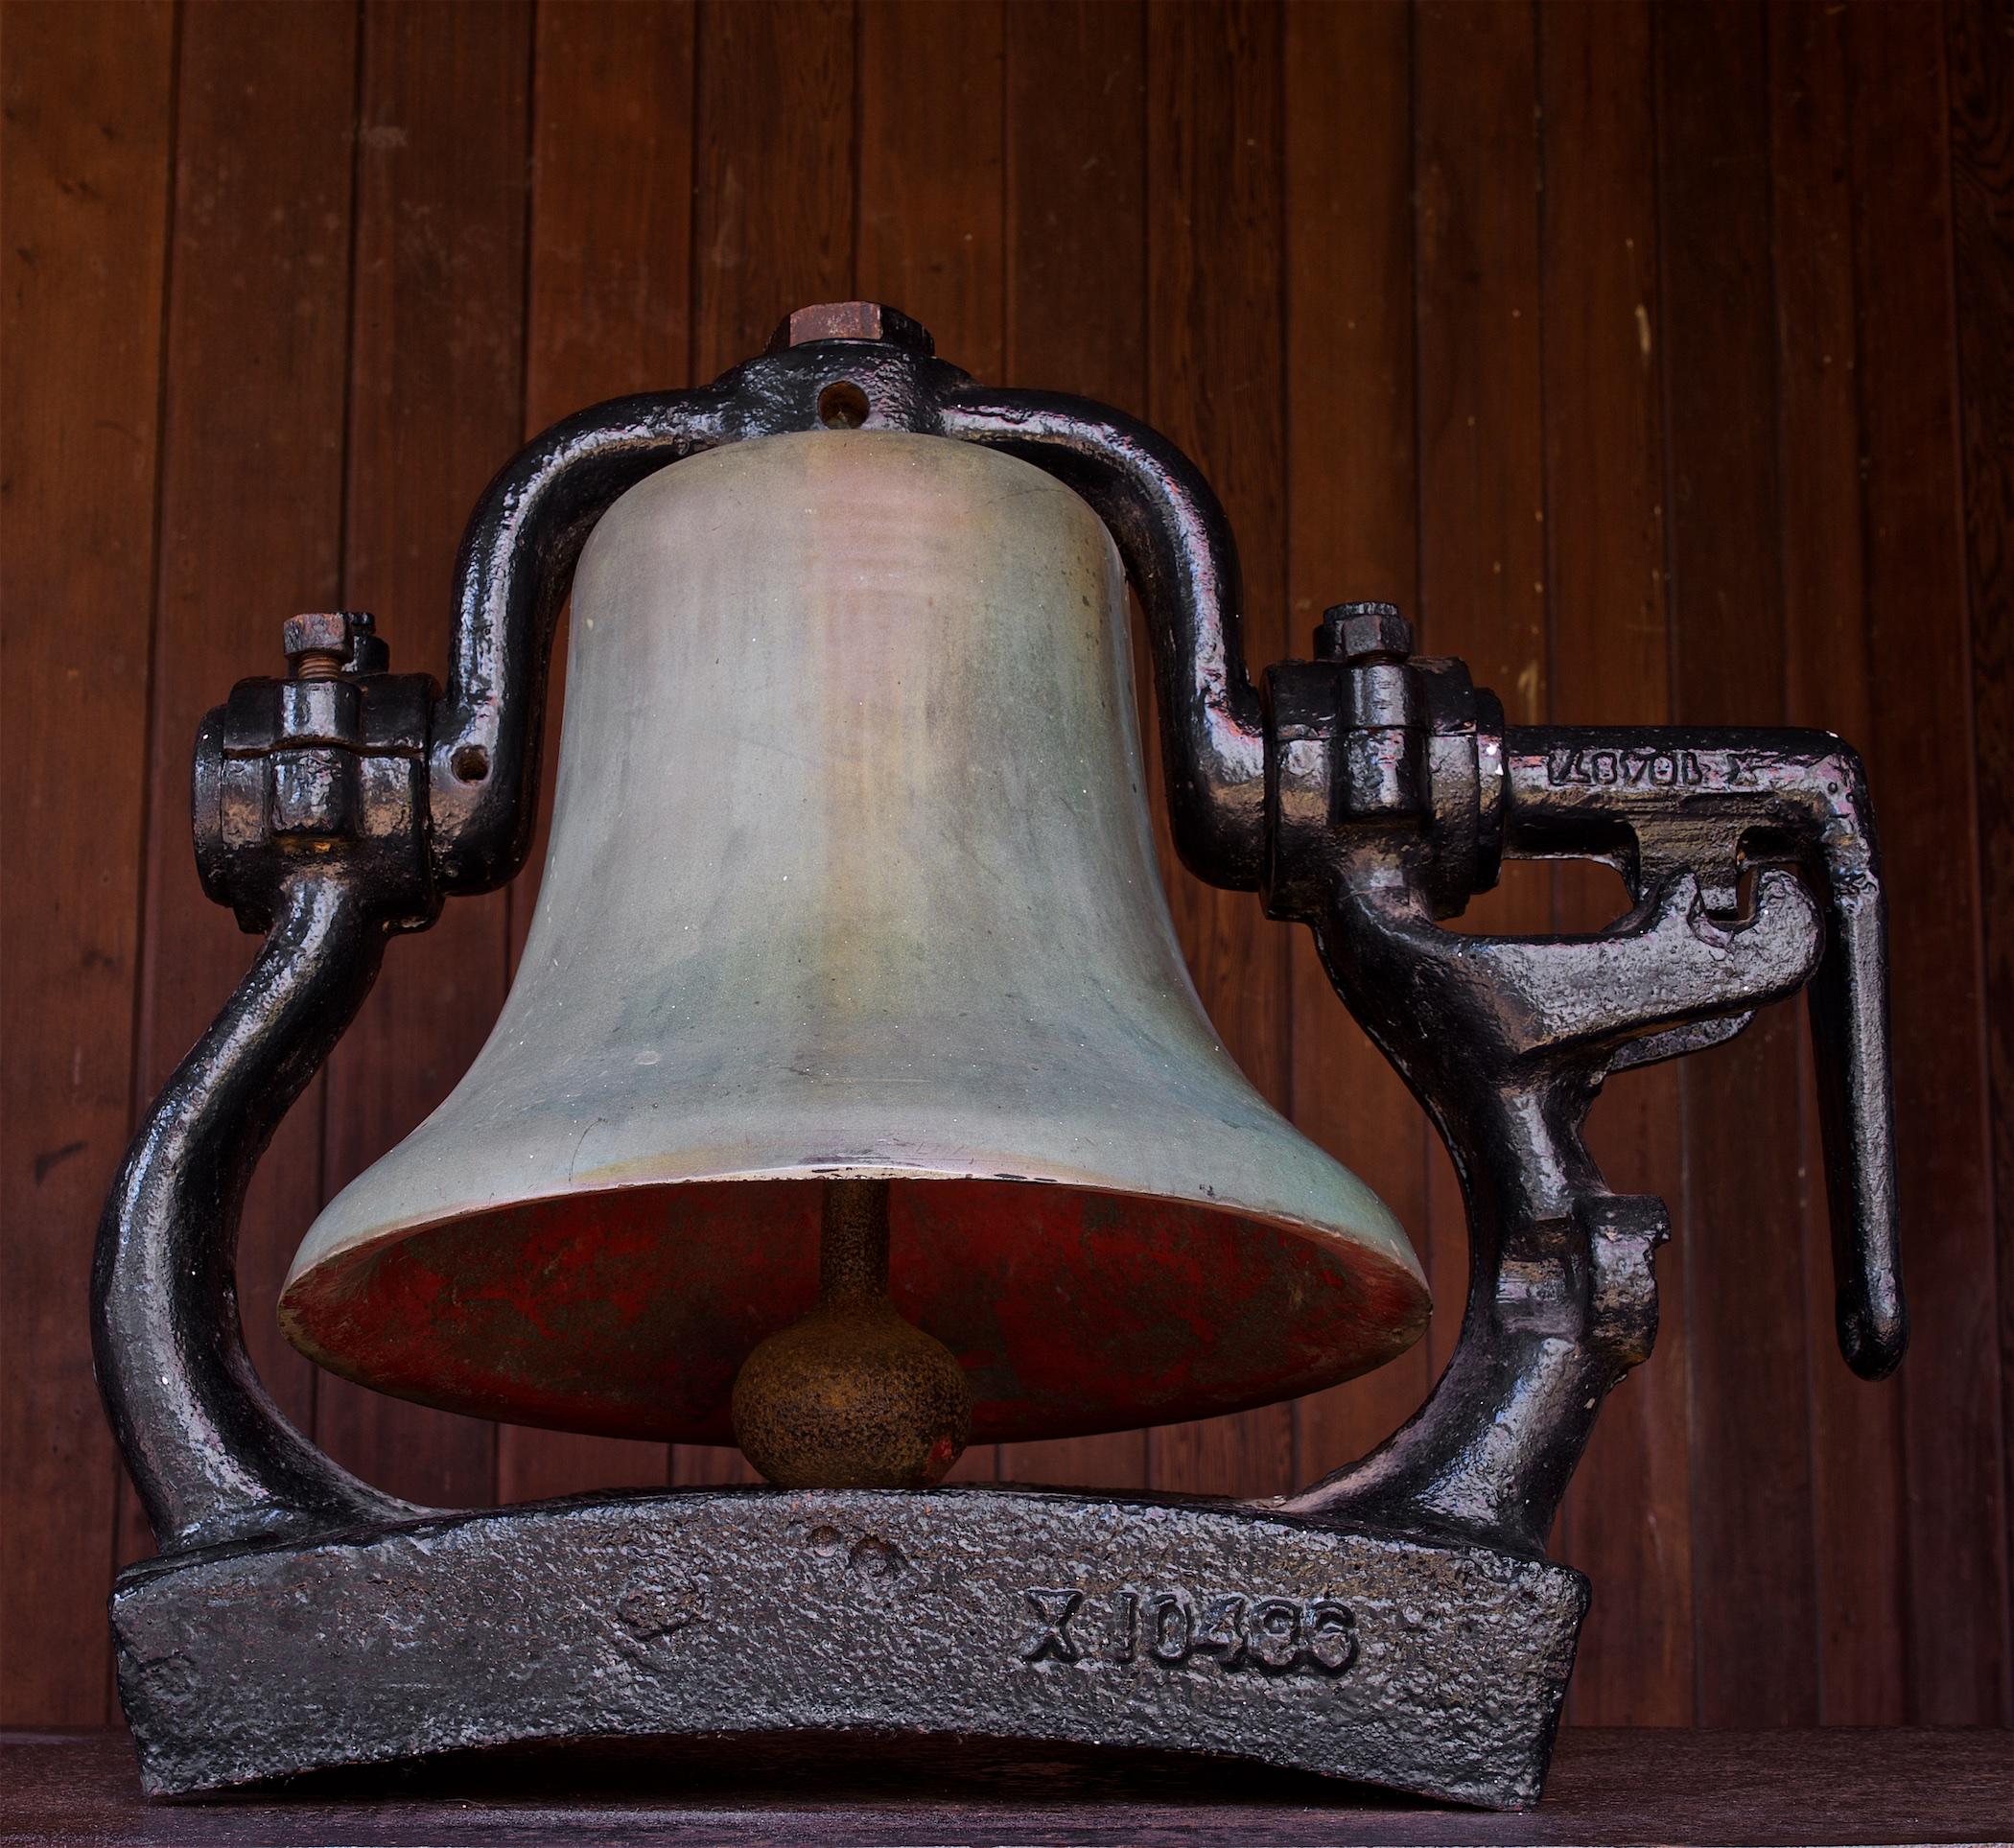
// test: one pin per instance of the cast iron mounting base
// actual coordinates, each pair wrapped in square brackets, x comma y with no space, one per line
[977,1613]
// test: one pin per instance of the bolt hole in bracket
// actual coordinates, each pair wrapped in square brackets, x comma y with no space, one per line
[296,1619]
[843,406]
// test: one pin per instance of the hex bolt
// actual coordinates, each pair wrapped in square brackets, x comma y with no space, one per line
[316,645]
[1363,632]
[852,321]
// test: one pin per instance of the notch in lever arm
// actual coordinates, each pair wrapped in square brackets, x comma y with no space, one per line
[1720,801]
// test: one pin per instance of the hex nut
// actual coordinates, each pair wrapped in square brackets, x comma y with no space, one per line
[852,321]
[1368,630]
[318,632]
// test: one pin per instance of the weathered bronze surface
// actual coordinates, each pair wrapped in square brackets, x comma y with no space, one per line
[1396,1623]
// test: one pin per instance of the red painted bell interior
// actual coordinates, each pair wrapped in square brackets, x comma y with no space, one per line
[629,1313]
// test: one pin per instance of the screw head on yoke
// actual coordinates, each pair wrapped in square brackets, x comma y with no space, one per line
[1356,632]
[851,321]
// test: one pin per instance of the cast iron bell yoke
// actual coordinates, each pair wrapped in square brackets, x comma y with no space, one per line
[1395,1621]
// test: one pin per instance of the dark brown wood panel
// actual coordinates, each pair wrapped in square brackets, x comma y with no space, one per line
[1979,61]
[1918,645]
[775,167]
[87,152]
[1856,1449]
[1661,1786]
[1651,356]
[1074,199]
[609,265]
[927,222]
[1628,1522]
[1214,293]
[1482,481]
[437,403]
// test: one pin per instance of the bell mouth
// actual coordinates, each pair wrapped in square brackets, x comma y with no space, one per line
[1072,1310]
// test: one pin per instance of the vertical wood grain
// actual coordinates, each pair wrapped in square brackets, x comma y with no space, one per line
[1979,64]
[776,168]
[1075,171]
[774,152]
[1074,272]
[436,405]
[611,257]
[1482,481]
[1742,1214]
[610,269]
[1918,751]
[1215,172]
[1629,1514]
[931,199]
[1353,536]
[84,165]
[1857,1464]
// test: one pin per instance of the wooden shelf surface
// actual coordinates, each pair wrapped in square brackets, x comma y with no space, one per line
[1620,1786]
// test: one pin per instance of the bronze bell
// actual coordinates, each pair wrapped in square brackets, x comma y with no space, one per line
[851,914]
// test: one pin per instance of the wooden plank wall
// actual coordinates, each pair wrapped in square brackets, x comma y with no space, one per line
[1656,358]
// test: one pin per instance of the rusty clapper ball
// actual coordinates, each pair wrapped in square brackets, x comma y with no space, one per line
[854,1396]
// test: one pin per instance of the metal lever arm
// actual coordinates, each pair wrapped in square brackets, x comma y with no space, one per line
[1720,801]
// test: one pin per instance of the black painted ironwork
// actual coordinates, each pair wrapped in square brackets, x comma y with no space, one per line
[1369,792]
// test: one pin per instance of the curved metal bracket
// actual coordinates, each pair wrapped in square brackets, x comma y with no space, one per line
[212,1456]
[525,537]
[515,567]
[1507,1041]
[1183,561]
